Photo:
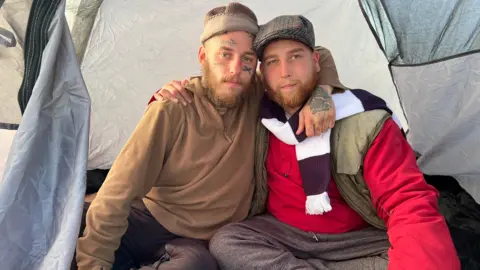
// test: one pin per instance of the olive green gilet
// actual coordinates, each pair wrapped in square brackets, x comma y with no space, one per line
[350,140]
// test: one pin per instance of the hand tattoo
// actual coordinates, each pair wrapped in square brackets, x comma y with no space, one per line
[320,101]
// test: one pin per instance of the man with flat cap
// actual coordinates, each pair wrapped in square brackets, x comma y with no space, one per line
[353,198]
[186,171]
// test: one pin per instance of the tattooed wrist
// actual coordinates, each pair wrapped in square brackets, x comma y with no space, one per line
[320,101]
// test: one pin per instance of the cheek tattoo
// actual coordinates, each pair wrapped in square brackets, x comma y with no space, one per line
[247,69]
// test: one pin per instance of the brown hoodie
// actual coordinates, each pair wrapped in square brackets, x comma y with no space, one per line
[192,167]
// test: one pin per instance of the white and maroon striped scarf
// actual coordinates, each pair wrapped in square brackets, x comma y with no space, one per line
[313,153]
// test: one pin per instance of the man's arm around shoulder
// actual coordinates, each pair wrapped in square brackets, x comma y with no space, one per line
[131,177]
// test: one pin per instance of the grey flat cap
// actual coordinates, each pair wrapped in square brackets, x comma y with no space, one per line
[294,27]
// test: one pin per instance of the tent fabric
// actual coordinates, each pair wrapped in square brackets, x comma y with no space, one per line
[6,139]
[122,51]
[8,126]
[413,32]
[432,48]
[42,192]
[137,46]
[7,38]
[80,16]
[13,19]
[441,104]
[462,214]
[36,38]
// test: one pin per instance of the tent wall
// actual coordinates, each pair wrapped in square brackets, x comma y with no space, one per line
[42,192]
[434,51]
[13,22]
[80,16]
[441,104]
[414,32]
[6,139]
[137,46]
[129,49]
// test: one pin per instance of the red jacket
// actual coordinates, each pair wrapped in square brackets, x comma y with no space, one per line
[418,233]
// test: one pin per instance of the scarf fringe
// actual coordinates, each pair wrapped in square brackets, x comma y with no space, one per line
[318,204]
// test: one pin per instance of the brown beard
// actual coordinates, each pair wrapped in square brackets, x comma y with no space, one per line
[210,83]
[299,96]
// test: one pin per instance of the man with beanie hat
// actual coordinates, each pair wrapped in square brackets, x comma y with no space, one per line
[184,172]
[362,205]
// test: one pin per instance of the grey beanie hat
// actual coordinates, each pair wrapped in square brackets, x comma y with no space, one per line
[294,27]
[229,18]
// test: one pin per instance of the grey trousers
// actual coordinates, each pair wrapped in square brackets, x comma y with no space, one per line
[264,243]
[147,243]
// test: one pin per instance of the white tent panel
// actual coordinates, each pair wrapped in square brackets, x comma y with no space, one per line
[441,104]
[80,16]
[6,139]
[43,186]
[137,46]
[471,184]
[13,20]
[134,48]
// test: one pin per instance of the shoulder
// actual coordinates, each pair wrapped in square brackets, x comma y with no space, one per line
[166,110]
[371,117]
[365,120]
[352,137]
[360,129]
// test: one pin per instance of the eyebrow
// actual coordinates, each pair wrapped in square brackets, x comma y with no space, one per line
[226,48]
[251,53]
[296,50]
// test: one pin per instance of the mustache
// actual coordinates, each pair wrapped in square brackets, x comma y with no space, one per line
[286,82]
[233,79]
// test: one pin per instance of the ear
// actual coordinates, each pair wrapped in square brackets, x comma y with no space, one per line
[316,59]
[202,55]
[260,71]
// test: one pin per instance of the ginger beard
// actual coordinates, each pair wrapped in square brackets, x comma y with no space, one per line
[218,90]
[295,97]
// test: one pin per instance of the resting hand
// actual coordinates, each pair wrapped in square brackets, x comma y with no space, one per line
[174,91]
[318,114]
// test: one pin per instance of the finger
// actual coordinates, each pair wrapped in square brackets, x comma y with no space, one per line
[332,120]
[318,128]
[301,123]
[176,83]
[309,126]
[177,92]
[158,96]
[166,94]
[185,93]
[333,116]
[325,123]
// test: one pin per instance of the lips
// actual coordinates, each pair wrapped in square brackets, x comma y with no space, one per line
[232,83]
[286,86]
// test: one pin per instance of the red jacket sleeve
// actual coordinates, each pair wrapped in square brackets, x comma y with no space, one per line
[152,99]
[418,233]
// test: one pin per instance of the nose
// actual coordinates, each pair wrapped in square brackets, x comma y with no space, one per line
[235,66]
[284,69]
